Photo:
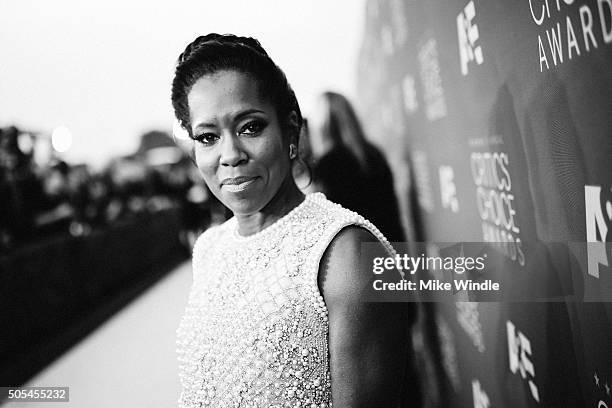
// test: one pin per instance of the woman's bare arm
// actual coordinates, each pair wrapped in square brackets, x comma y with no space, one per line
[368,342]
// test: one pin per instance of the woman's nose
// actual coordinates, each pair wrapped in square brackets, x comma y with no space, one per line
[232,153]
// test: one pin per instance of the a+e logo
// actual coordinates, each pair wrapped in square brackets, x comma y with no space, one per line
[467,33]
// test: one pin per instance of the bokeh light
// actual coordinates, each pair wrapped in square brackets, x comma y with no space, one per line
[61,139]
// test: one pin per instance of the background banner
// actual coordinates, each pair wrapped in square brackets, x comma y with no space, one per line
[496,118]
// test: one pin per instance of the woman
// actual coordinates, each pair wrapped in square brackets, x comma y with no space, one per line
[340,151]
[275,316]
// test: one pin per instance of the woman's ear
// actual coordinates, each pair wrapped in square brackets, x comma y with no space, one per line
[293,127]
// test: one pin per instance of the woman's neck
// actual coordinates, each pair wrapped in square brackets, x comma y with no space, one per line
[287,198]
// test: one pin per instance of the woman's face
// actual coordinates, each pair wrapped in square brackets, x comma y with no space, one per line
[239,149]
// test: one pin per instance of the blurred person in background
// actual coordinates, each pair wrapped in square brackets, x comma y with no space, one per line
[20,190]
[276,314]
[78,181]
[100,197]
[57,210]
[129,177]
[350,170]
[9,190]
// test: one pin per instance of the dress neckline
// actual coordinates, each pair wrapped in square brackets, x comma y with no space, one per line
[276,225]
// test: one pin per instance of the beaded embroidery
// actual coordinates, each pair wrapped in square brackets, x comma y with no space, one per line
[255,330]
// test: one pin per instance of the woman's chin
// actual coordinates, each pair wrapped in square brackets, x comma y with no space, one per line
[243,204]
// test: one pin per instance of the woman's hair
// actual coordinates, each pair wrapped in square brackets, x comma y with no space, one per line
[212,53]
[341,126]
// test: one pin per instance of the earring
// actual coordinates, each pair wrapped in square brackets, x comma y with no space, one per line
[292,151]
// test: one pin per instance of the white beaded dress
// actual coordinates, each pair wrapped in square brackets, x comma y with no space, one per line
[255,329]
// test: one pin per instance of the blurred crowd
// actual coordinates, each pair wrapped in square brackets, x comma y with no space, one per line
[42,196]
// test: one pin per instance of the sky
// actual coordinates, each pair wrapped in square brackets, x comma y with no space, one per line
[103,69]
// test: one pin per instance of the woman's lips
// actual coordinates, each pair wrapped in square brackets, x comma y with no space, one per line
[237,184]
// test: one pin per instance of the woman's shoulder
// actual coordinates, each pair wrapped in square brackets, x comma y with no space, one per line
[347,234]
[341,271]
[354,226]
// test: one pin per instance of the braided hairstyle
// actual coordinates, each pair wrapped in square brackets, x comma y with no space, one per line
[212,53]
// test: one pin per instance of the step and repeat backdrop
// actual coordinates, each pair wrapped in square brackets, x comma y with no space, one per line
[496,117]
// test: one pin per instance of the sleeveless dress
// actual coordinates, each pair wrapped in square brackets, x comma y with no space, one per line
[255,329]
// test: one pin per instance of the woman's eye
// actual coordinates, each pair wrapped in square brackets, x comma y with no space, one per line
[206,138]
[252,128]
